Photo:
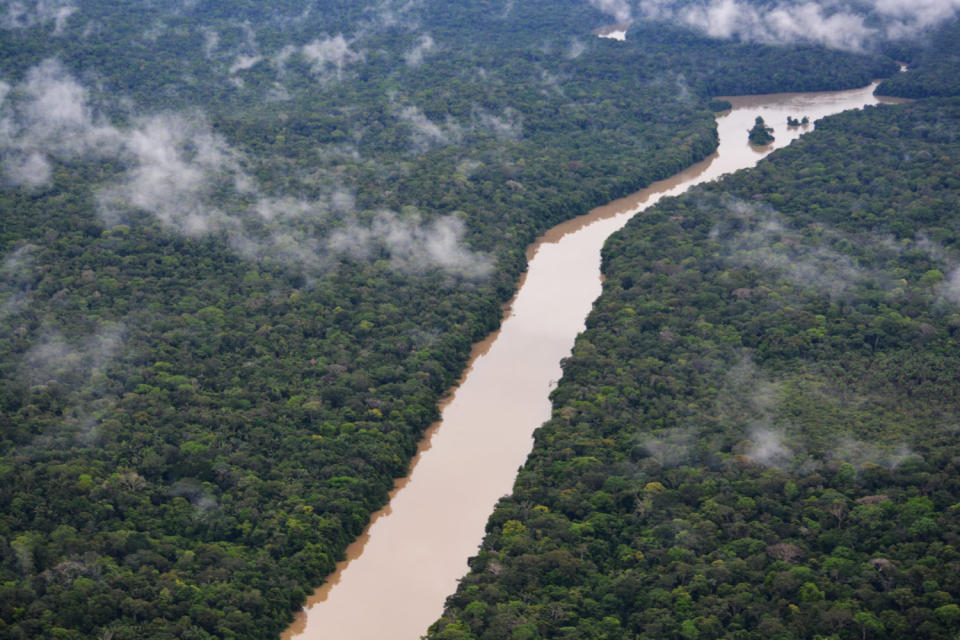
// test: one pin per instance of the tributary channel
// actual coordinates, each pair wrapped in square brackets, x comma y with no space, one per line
[397,575]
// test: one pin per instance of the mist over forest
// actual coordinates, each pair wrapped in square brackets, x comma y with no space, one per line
[245,249]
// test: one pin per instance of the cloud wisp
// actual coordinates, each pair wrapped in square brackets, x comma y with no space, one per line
[55,360]
[411,244]
[75,369]
[26,15]
[195,183]
[761,239]
[175,166]
[426,134]
[16,278]
[328,56]
[415,55]
[839,24]
[48,115]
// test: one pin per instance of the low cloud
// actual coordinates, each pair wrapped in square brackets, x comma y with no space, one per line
[765,408]
[200,495]
[552,84]
[395,13]
[762,240]
[29,169]
[577,48]
[908,18]
[242,63]
[176,166]
[179,170]
[48,115]
[280,58]
[767,447]
[278,210]
[73,368]
[411,244]
[17,266]
[211,41]
[838,24]
[16,278]
[859,453]
[670,447]
[426,134]
[950,288]
[750,398]
[329,56]
[508,125]
[26,15]
[944,260]
[414,56]
[71,363]
[195,183]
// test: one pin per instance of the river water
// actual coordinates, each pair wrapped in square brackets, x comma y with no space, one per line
[397,575]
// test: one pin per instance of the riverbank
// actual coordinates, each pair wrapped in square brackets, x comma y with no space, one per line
[416,549]
[755,438]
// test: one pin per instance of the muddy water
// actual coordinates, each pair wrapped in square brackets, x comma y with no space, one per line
[399,572]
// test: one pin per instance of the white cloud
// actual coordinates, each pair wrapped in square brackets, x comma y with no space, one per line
[783,23]
[670,447]
[211,41]
[411,244]
[762,240]
[838,24]
[414,56]
[16,273]
[242,63]
[46,116]
[577,48]
[768,448]
[508,125]
[950,288]
[425,132]
[330,54]
[29,169]
[56,360]
[176,165]
[25,15]
[194,183]
[280,58]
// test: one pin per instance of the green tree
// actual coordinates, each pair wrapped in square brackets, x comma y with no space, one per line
[761,134]
[868,623]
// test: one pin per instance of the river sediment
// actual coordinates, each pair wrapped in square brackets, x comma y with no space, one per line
[397,575]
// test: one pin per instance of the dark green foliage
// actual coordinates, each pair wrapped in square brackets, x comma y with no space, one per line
[756,435]
[189,438]
[932,64]
[761,134]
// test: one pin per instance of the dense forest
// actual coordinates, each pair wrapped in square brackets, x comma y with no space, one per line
[931,65]
[245,249]
[756,435]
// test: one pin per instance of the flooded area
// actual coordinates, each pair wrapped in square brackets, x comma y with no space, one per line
[397,575]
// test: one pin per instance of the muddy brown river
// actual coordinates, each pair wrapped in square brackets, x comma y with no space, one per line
[397,575]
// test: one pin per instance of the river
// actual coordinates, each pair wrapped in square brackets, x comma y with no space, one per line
[397,575]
